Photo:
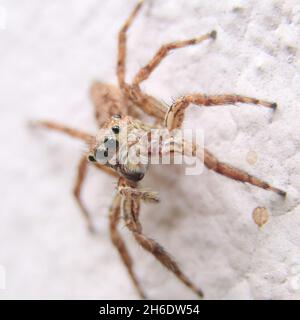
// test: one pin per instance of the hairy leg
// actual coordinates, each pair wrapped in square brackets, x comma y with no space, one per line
[145,72]
[88,138]
[81,175]
[75,133]
[130,206]
[211,162]
[114,218]
[83,164]
[175,114]
[145,102]
[122,44]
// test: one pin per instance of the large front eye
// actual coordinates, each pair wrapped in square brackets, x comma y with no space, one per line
[102,156]
[110,144]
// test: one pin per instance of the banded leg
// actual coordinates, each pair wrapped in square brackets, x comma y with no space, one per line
[114,218]
[175,114]
[145,72]
[130,206]
[122,44]
[211,162]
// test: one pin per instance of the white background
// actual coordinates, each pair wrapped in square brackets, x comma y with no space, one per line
[50,53]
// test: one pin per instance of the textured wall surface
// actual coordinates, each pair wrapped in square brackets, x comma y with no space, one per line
[50,53]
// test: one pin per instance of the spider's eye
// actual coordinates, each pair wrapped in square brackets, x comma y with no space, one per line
[101,156]
[116,116]
[91,158]
[110,144]
[115,129]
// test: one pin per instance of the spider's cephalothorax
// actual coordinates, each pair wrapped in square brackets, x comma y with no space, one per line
[118,146]
[118,111]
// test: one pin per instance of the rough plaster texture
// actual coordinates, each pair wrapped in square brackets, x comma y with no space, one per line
[50,53]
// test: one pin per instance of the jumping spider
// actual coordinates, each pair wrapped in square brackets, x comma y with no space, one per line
[119,107]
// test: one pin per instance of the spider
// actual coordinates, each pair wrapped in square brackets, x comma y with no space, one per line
[118,109]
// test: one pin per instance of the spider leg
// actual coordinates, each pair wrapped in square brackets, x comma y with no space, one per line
[145,72]
[211,162]
[114,218]
[174,116]
[122,44]
[131,206]
[88,138]
[83,164]
[75,133]
[145,102]
[81,175]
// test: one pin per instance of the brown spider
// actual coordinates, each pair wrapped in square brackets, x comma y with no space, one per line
[117,110]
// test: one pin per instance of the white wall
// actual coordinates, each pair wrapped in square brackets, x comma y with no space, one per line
[50,53]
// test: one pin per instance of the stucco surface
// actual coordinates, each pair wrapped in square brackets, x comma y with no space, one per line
[51,51]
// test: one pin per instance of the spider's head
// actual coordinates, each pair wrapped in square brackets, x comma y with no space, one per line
[119,145]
